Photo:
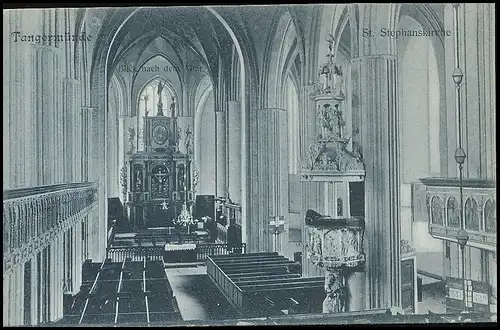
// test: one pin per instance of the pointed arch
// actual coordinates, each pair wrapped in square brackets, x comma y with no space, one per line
[280,47]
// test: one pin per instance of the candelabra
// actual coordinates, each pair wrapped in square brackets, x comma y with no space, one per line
[185,218]
[462,235]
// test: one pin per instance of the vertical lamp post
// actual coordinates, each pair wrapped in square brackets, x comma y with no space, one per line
[462,235]
[276,226]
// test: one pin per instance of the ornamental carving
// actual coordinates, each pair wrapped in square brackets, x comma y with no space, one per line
[405,247]
[334,243]
[334,152]
[332,155]
[331,77]
[34,221]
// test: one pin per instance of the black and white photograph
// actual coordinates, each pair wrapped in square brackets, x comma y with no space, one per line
[215,165]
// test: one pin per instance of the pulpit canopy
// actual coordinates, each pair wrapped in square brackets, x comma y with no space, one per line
[335,243]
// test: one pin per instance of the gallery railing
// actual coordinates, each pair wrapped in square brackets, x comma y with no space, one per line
[138,253]
[32,217]
[205,250]
[479,210]
[135,253]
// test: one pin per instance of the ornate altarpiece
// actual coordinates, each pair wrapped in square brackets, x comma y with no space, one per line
[160,177]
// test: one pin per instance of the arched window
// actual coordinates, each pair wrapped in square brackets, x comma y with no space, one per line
[471,214]
[149,100]
[453,212]
[437,210]
[292,107]
[489,216]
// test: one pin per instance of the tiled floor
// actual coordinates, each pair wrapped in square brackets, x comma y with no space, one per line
[197,297]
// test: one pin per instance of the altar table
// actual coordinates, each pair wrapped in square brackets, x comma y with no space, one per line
[185,252]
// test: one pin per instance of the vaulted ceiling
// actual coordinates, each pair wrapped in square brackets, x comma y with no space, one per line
[186,29]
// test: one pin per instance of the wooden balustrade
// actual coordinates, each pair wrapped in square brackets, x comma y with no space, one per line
[138,253]
[479,210]
[135,253]
[32,217]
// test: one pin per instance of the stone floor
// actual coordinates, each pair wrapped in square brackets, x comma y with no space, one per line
[197,297]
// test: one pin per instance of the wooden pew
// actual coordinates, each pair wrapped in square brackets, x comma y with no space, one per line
[264,277]
[264,284]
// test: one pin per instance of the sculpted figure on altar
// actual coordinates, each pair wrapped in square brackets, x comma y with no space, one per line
[160,103]
[189,141]
[131,137]
[172,108]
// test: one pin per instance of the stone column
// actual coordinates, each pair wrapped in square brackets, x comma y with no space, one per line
[97,173]
[71,133]
[19,285]
[375,86]
[220,147]
[271,126]
[6,299]
[233,119]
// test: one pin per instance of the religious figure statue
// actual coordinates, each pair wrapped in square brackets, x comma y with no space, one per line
[338,80]
[326,120]
[160,103]
[138,180]
[327,68]
[147,113]
[131,137]
[123,182]
[189,141]
[336,294]
[340,121]
[172,108]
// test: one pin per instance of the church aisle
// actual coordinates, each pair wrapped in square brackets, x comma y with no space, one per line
[197,297]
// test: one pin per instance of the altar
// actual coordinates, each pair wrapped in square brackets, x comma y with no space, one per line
[160,180]
[179,252]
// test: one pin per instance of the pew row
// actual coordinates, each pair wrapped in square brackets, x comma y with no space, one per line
[265,284]
[125,291]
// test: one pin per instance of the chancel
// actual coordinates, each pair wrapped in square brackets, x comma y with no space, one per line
[225,165]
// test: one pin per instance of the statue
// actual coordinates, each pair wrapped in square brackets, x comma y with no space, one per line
[123,182]
[338,80]
[189,141]
[336,294]
[131,137]
[138,180]
[327,68]
[340,121]
[172,108]
[160,104]
[147,113]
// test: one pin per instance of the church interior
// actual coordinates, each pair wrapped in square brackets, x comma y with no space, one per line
[226,164]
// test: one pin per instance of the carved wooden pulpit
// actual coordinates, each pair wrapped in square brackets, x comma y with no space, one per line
[334,245]
[335,163]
